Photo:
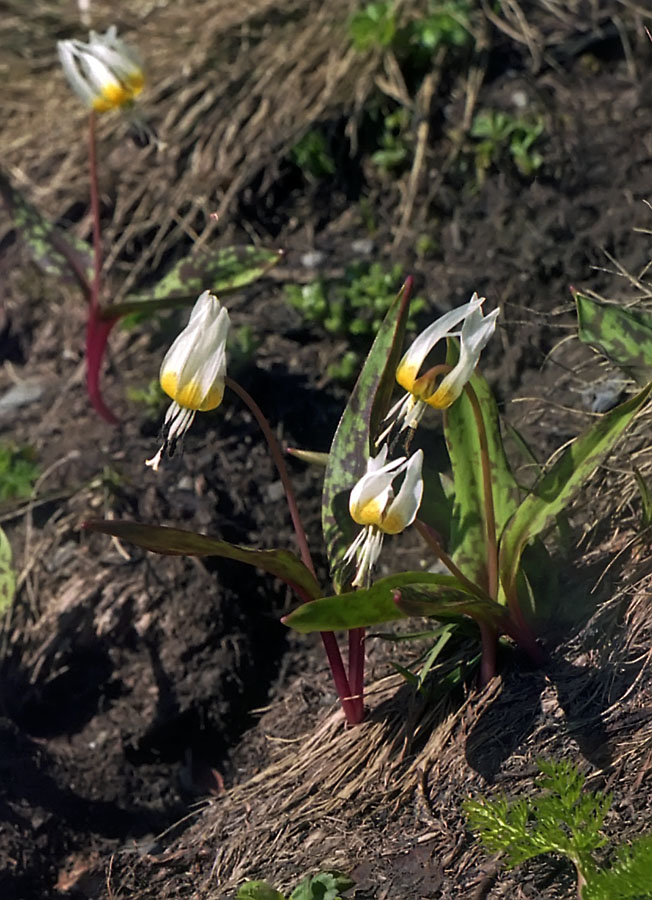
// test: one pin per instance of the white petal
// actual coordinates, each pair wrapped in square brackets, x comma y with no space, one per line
[408,368]
[476,332]
[404,507]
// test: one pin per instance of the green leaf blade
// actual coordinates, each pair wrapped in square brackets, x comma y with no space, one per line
[622,334]
[226,270]
[178,542]
[468,529]
[556,487]
[364,608]
[56,252]
[367,406]
[7,574]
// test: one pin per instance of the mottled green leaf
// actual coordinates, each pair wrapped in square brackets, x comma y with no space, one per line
[177,542]
[7,576]
[371,606]
[622,334]
[468,529]
[559,483]
[221,271]
[349,452]
[55,251]
[424,600]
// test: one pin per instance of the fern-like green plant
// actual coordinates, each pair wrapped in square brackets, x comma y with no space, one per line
[565,819]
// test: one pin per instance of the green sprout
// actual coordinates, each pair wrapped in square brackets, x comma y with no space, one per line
[18,472]
[352,308]
[325,886]
[564,819]
[312,156]
[496,133]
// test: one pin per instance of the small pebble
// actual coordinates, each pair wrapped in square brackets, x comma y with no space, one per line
[313,259]
[363,247]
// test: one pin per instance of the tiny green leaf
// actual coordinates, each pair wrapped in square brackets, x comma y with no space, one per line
[177,542]
[258,890]
[622,334]
[371,606]
[224,271]
[347,459]
[325,886]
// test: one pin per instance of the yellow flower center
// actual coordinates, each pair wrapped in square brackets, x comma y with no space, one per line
[117,93]
[192,394]
[370,513]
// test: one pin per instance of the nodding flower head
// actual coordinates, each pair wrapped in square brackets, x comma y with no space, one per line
[104,72]
[372,503]
[428,388]
[193,370]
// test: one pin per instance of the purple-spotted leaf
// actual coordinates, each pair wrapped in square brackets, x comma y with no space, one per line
[177,542]
[560,482]
[349,452]
[221,272]
[55,251]
[370,606]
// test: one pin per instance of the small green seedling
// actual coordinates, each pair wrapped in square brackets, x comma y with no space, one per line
[564,819]
[312,155]
[325,886]
[496,134]
[352,308]
[18,472]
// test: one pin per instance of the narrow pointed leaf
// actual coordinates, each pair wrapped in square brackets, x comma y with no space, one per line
[367,406]
[177,542]
[468,530]
[371,606]
[622,334]
[55,251]
[227,269]
[558,485]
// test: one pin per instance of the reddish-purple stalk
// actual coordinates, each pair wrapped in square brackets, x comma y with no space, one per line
[97,328]
[356,668]
[351,706]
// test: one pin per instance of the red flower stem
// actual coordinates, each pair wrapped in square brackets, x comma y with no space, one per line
[356,667]
[331,647]
[489,639]
[428,535]
[95,213]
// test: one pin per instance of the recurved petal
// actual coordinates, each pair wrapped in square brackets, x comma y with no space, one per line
[476,332]
[372,492]
[403,509]
[408,368]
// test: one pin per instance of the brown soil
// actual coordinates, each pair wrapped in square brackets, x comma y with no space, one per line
[132,685]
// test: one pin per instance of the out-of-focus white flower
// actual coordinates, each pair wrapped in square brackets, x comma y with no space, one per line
[423,389]
[193,370]
[105,73]
[373,504]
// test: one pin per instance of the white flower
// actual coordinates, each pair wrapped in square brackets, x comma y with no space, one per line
[372,503]
[193,370]
[423,390]
[105,73]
